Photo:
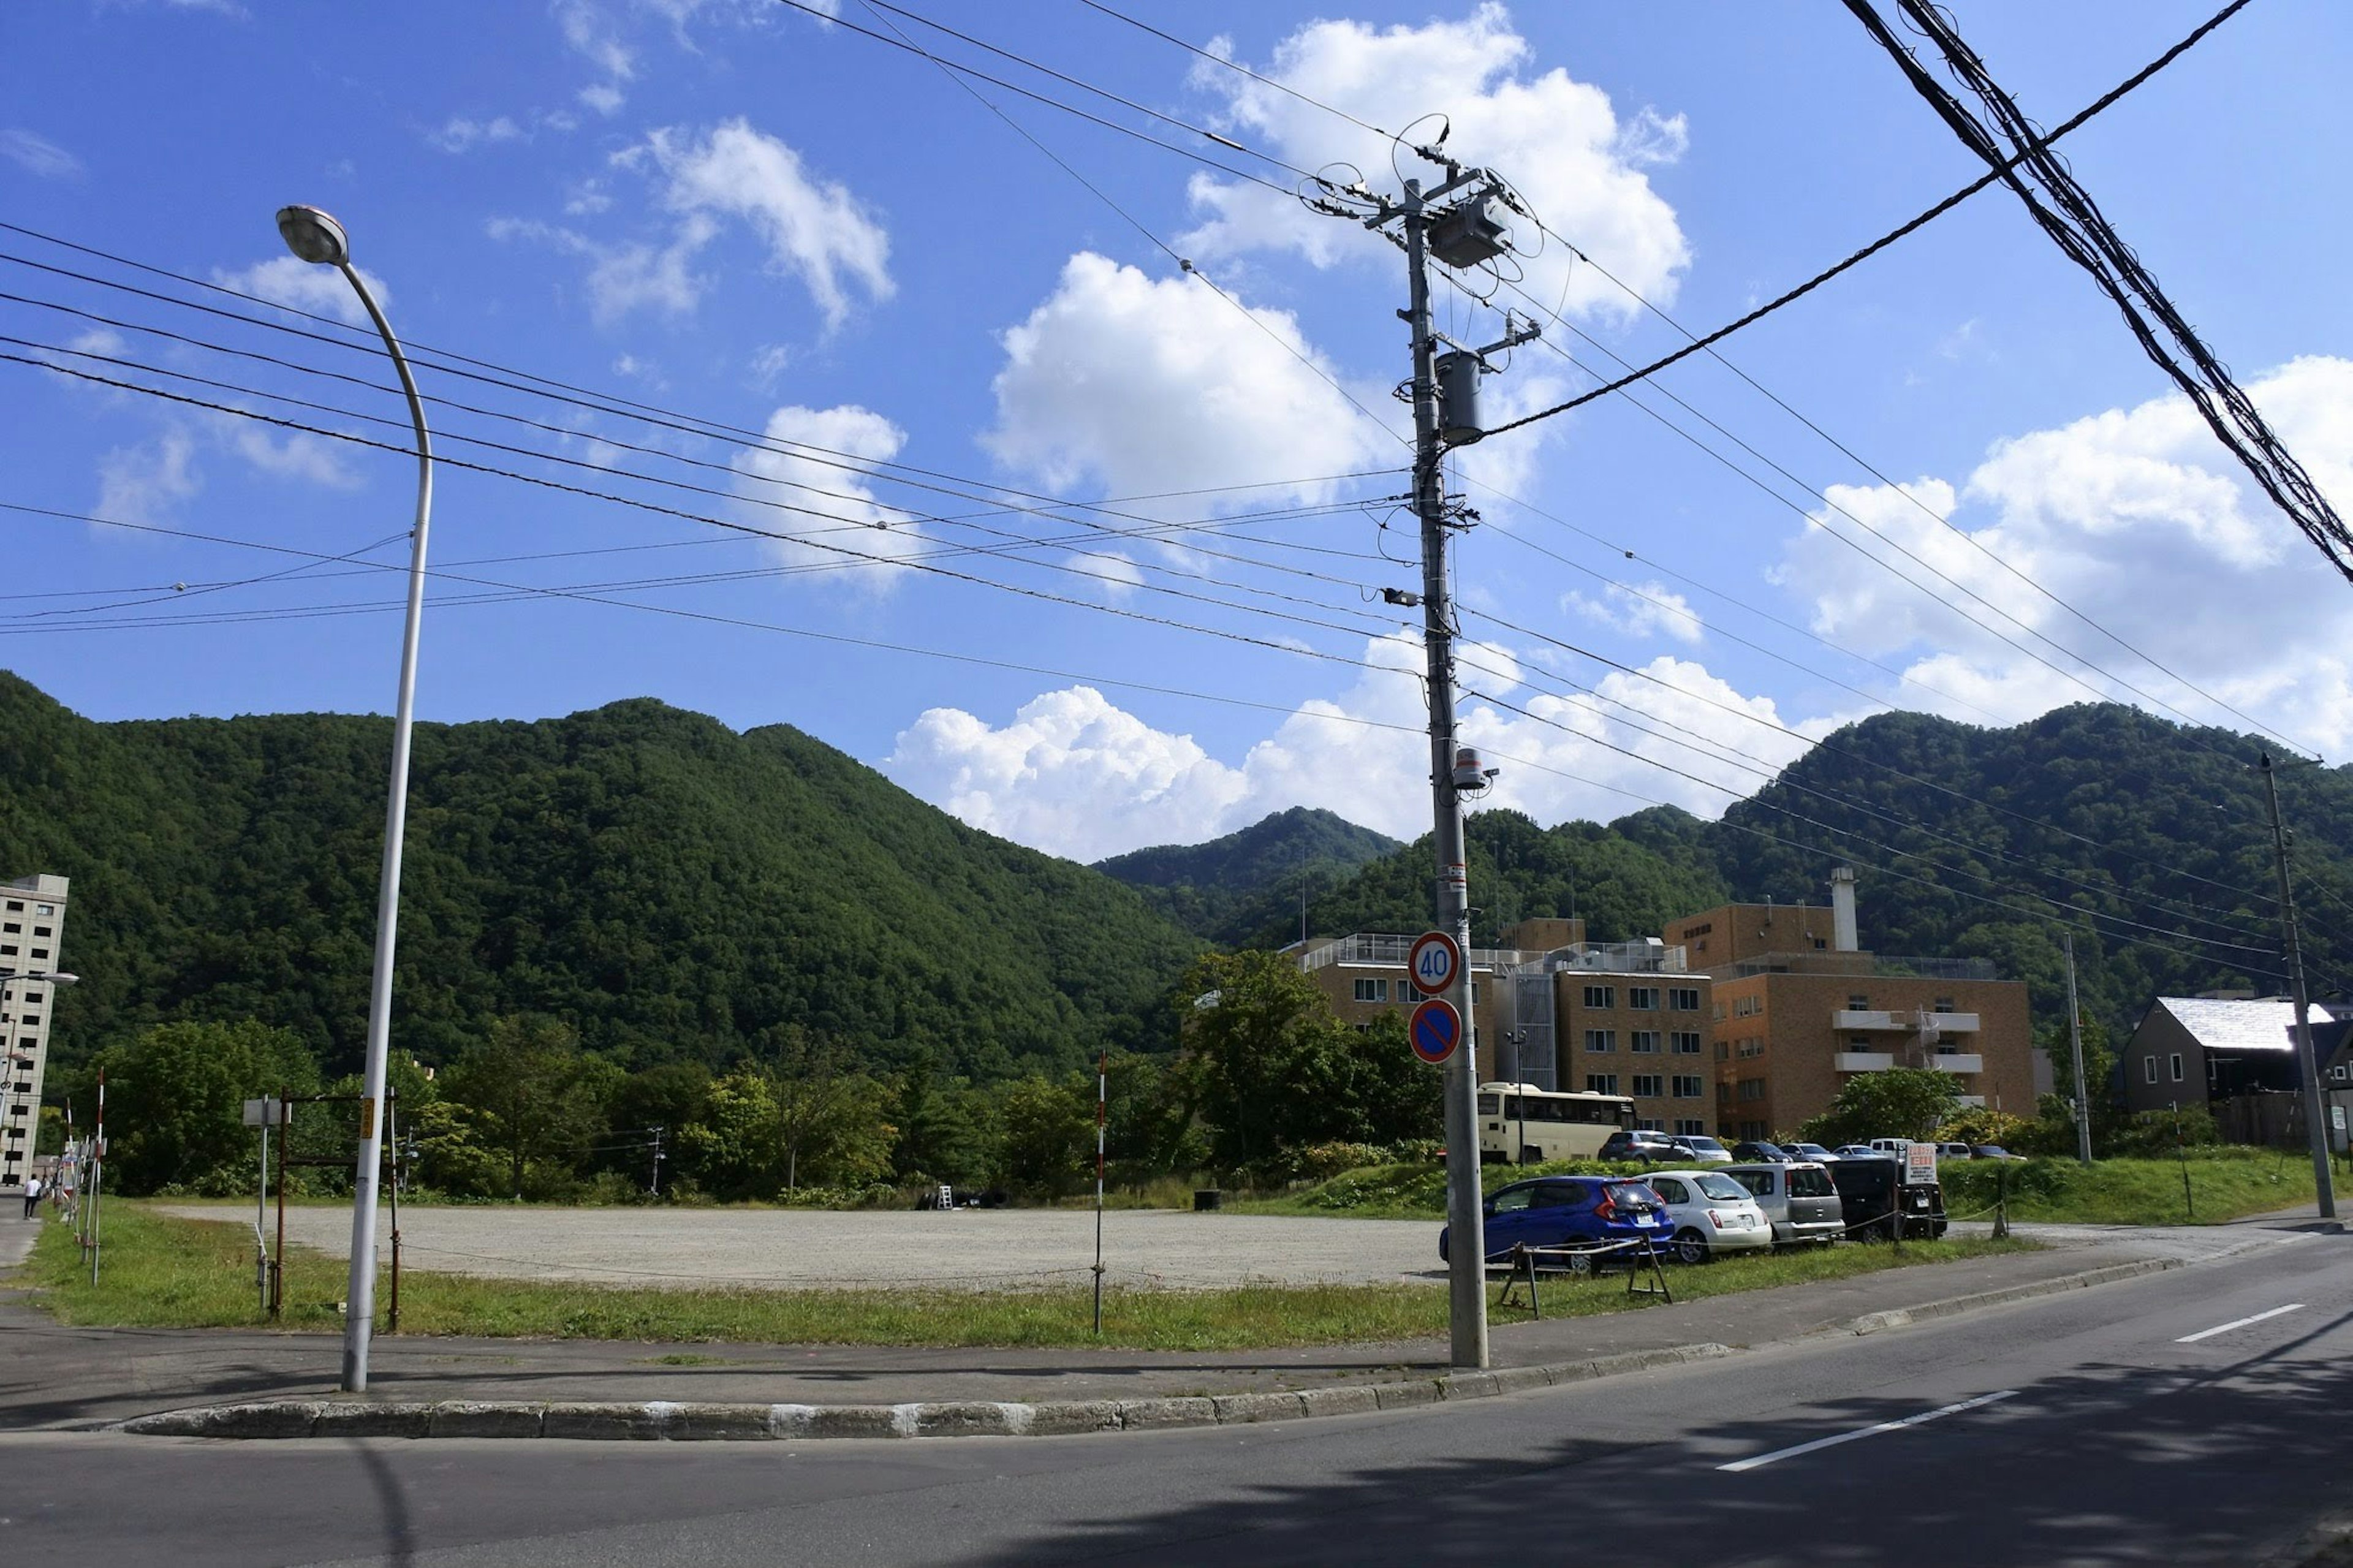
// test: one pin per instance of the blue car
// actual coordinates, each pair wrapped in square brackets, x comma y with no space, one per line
[1571,1210]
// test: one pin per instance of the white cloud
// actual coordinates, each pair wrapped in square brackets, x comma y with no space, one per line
[38,155]
[803,468]
[459,134]
[1073,774]
[1142,386]
[817,232]
[1558,139]
[295,455]
[625,278]
[2139,519]
[142,483]
[1648,610]
[304,286]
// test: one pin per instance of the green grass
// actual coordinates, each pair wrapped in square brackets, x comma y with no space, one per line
[2226,1182]
[166,1272]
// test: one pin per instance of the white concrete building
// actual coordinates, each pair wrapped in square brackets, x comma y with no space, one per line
[32,928]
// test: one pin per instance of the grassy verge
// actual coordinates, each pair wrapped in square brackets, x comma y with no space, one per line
[166,1272]
[2225,1182]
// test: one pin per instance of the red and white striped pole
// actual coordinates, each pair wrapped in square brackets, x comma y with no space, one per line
[1102,1077]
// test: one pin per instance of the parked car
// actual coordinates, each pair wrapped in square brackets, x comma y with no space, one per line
[1799,1200]
[1759,1152]
[1894,1148]
[1814,1151]
[1862,1152]
[1571,1210]
[1634,1146]
[1992,1152]
[1709,1212]
[1701,1150]
[1877,1199]
[1956,1151]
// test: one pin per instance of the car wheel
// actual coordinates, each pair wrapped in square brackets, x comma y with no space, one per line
[1580,1264]
[1690,1247]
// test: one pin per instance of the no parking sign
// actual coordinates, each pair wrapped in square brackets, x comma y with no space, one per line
[1436,1030]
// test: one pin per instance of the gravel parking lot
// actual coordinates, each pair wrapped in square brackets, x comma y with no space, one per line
[802,1248]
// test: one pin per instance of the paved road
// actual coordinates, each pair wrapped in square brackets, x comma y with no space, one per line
[2091,1435]
[792,1247]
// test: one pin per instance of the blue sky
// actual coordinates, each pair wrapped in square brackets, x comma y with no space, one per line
[831,257]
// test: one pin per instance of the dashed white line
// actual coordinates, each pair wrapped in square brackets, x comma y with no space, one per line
[1759,1461]
[2237,1323]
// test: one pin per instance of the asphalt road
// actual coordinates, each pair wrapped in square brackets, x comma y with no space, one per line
[2077,1429]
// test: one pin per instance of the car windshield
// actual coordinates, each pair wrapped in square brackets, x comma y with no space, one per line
[1993,1150]
[1717,1186]
[1811,1182]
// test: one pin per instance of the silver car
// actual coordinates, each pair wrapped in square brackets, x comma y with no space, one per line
[1799,1200]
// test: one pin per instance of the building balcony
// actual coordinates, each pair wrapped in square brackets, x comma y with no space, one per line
[1863,1061]
[1956,1061]
[1973,1102]
[1850,1018]
[1945,1023]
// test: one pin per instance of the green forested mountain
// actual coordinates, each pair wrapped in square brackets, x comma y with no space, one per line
[1229,888]
[2152,836]
[669,886]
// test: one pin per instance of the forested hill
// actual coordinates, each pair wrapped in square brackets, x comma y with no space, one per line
[1224,889]
[1961,836]
[668,886]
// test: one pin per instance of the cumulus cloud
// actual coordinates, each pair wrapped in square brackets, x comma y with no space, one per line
[818,460]
[303,286]
[1558,139]
[143,483]
[38,155]
[1646,610]
[460,134]
[1143,385]
[2140,520]
[1073,774]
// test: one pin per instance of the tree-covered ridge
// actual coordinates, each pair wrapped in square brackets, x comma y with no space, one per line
[667,887]
[1224,889]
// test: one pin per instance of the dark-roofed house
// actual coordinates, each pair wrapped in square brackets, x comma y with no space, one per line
[2237,1058]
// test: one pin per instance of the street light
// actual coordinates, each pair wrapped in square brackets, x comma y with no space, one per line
[9,1060]
[315,237]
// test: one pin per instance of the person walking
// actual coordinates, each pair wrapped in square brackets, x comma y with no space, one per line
[32,1196]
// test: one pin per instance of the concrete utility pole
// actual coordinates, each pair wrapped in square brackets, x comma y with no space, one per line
[1463,232]
[2309,1064]
[2075,1038]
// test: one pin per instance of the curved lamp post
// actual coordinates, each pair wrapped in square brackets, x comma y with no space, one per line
[314,236]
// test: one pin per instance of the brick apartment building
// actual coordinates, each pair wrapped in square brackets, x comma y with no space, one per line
[1740,1021]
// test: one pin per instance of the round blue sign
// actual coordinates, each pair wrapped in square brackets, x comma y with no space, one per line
[1436,1030]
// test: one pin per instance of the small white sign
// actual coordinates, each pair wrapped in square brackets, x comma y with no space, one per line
[262,1112]
[1919,1161]
[2336,1116]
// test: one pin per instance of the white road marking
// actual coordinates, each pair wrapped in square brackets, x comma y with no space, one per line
[1760,1461]
[2237,1323]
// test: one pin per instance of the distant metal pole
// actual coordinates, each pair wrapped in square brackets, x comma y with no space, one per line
[278,1264]
[2075,1037]
[2323,1187]
[1102,1100]
[260,1219]
[2181,1154]
[392,1136]
[97,1172]
[657,1157]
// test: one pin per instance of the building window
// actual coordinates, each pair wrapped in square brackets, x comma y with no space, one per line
[1642,998]
[2149,1066]
[42,930]
[1372,990]
[2176,1067]
[1944,1005]
[1685,1042]
[1724,1050]
[1646,1040]
[8,950]
[1718,1014]
[1858,1003]
[1751,1089]
[41,908]
[1687,1086]
[1650,1124]
[40,952]
[1600,1039]
[1690,1124]
[1650,1085]
[1723,1093]
[1601,995]
[1683,998]
[16,906]
[1860,1042]
[1602,1083]
[12,926]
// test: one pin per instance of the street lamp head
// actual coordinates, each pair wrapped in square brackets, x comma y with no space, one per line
[62,979]
[313,236]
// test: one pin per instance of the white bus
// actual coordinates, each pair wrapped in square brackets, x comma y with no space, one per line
[1520,1124]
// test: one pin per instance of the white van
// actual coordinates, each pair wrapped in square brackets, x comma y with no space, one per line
[1799,1199]
[1894,1148]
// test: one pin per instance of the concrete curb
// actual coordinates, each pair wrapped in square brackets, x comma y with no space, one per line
[659,1421]
[1879,1322]
[662,1421]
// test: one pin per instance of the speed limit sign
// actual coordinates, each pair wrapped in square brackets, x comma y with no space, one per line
[1435,962]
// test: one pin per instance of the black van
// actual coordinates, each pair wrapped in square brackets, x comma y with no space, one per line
[1873,1193]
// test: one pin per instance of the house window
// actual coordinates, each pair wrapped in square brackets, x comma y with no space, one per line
[1601,995]
[1687,1086]
[2149,1066]
[1685,1042]
[1683,998]
[1646,1040]
[2176,1067]
[1858,1003]
[1602,1083]
[1371,990]
[1600,1039]
[1944,1004]
[1650,1085]
[1642,998]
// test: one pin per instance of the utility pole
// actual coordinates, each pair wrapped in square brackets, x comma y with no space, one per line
[1452,220]
[658,1160]
[2306,1061]
[2075,1038]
